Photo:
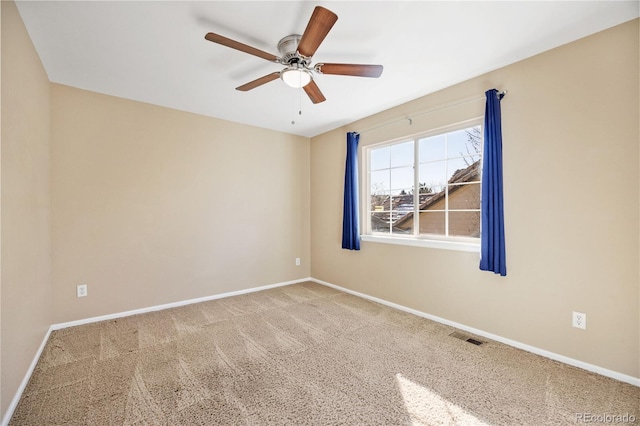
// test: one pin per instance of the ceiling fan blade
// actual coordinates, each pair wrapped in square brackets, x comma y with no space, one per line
[217,38]
[259,81]
[314,93]
[357,70]
[317,29]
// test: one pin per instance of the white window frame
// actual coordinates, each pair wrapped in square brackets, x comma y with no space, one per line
[467,244]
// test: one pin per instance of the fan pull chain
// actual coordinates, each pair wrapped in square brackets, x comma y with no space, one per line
[293,121]
[300,101]
[293,101]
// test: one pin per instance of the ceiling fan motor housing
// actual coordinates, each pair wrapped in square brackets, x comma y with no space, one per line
[288,48]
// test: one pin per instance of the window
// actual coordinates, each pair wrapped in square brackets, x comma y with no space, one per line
[425,189]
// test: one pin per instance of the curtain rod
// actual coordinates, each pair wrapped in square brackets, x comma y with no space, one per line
[410,118]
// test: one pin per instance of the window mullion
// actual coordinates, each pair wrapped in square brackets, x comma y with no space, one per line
[365,161]
[390,195]
[446,185]
[416,188]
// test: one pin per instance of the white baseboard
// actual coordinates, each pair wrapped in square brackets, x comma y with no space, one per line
[172,305]
[25,381]
[551,355]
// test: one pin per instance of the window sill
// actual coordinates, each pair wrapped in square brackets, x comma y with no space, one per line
[438,244]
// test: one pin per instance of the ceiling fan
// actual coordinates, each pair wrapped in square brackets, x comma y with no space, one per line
[296,52]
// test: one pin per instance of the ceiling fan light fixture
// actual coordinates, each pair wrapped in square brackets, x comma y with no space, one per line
[296,77]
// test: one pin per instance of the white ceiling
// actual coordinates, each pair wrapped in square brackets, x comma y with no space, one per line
[155,51]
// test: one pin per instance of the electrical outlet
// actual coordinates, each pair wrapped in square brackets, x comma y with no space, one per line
[81,290]
[579,320]
[297,261]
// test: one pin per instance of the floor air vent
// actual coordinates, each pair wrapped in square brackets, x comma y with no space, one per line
[466,338]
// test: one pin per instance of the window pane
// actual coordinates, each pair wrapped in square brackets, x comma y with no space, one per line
[380,181]
[380,158]
[433,174]
[434,200]
[456,144]
[403,203]
[464,224]
[380,222]
[404,226]
[464,196]
[379,202]
[465,143]
[459,171]
[432,223]
[432,148]
[402,178]
[402,154]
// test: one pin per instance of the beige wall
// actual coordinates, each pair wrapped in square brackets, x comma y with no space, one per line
[25,203]
[148,206]
[571,139]
[152,205]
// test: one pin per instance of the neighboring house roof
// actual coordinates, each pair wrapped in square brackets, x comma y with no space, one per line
[470,174]
[393,208]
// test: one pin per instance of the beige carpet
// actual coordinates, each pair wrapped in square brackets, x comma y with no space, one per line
[303,354]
